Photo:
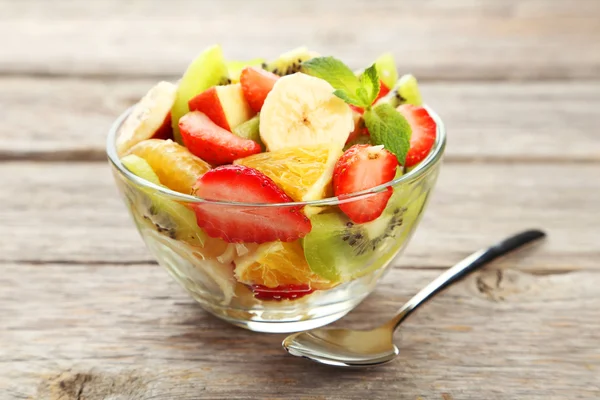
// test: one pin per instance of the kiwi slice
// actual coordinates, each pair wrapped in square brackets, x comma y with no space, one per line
[207,70]
[406,91]
[167,216]
[250,130]
[386,69]
[235,67]
[289,63]
[412,214]
[340,250]
[336,248]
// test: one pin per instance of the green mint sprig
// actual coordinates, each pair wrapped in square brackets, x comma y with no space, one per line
[360,92]
[389,128]
[386,125]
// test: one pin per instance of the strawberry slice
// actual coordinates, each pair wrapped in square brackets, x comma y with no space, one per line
[357,109]
[210,142]
[424,132]
[256,85]
[237,224]
[287,292]
[363,167]
[383,90]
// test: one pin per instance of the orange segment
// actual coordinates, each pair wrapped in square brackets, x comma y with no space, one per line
[304,173]
[278,264]
[176,167]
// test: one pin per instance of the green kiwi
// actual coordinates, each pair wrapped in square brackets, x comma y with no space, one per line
[235,67]
[207,70]
[289,63]
[406,91]
[167,216]
[386,69]
[340,250]
[337,249]
[412,214]
[140,167]
[250,130]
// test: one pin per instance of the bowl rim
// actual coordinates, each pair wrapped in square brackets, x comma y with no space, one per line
[433,158]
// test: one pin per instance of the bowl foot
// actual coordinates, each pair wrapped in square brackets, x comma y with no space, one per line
[272,321]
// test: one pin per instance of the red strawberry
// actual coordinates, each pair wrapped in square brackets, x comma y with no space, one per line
[383,90]
[212,143]
[424,131]
[289,292]
[236,224]
[363,167]
[256,85]
[357,109]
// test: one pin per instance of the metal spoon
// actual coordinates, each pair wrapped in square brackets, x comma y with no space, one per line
[354,348]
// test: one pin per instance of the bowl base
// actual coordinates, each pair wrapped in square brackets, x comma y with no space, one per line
[284,327]
[270,322]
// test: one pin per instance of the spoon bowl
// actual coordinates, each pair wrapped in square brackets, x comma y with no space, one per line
[358,348]
[344,347]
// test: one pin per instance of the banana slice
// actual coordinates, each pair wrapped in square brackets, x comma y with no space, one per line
[302,110]
[147,117]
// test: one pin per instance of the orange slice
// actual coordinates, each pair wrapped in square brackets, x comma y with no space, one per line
[304,173]
[176,167]
[278,264]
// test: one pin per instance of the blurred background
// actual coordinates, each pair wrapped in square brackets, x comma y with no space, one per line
[92,59]
[517,83]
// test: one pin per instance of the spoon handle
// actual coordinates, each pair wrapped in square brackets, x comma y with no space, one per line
[464,268]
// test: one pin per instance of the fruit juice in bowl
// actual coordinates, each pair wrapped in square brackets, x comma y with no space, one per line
[277,193]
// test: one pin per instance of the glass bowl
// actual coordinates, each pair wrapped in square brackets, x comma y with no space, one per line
[338,249]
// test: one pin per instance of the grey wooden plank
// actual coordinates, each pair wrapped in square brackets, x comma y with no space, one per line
[124,333]
[70,212]
[436,39]
[66,119]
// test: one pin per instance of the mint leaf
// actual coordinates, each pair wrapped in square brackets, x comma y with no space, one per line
[389,128]
[360,92]
[363,95]
[333,71]
[347,97]
[369,82]
[347,86]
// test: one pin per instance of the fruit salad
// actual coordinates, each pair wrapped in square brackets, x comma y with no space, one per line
[274,180]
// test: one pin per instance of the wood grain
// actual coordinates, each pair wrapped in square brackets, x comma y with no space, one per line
[68,119]
[70,212]
[437,39]
[133,333]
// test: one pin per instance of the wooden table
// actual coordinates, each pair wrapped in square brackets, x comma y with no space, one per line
[87,314]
